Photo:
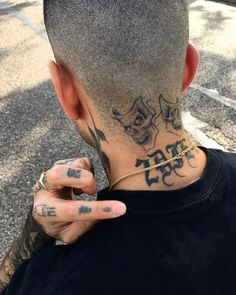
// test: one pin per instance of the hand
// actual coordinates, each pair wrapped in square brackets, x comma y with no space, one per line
[60,216]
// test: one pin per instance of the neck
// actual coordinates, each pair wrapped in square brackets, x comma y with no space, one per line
[122,158]
[127,150]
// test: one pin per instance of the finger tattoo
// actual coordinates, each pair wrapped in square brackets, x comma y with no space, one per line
[106,209]
[44,210]
[74,173]
[85,210]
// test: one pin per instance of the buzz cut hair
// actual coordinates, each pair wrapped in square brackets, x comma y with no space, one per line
[121,49]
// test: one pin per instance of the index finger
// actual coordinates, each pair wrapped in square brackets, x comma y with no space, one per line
[58,210]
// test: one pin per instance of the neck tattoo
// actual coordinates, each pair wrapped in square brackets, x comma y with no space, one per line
[156,166]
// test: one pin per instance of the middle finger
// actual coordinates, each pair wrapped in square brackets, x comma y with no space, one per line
[67,175]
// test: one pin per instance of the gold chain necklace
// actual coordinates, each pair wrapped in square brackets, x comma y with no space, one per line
[134,173]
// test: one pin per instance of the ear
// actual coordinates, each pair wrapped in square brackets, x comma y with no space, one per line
[64,86]
[191,65]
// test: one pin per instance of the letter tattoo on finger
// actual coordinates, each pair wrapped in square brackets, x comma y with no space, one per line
[73,173]
[85,210]
[106,209]
[44,210]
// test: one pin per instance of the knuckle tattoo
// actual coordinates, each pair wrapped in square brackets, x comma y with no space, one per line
[43,210]
[74,173]
[106,209]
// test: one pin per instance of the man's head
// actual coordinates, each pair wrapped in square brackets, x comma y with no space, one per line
[118,53]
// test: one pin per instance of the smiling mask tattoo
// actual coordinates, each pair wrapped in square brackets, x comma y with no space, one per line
[138,123]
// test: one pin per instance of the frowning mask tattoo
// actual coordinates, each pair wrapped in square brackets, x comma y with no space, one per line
[171,115]
[139,123]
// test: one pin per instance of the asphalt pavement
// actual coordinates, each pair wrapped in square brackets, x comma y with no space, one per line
[34,132]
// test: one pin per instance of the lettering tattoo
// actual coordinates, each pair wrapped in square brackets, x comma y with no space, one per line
[97,137]
[73,173]
[139,123]
[171,115]
[30,241]
[164,173]
[44,210]
[85,210]
[106,209]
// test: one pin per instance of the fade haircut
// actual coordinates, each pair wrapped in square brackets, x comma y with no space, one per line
[121,49]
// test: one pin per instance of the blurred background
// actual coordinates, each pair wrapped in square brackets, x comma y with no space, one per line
[34,132]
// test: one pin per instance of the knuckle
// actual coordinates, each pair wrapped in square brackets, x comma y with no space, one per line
[89,179]
[80,163]
[87,161]
[53,173]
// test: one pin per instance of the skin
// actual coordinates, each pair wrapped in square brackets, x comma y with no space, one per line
[63,218]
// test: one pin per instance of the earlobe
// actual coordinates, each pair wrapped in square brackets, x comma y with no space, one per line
[191,66]
[65,89]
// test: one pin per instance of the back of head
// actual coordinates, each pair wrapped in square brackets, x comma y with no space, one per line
[121,51]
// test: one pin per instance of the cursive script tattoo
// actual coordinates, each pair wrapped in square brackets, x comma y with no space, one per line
[44,210]
[171,115]
[73,173]
[164,173]
[30,241]
[139,123]
[85,210]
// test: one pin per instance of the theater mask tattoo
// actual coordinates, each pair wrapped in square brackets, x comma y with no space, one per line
[171,115]
[139,123]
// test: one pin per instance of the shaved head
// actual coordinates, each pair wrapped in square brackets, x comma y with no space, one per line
[120,50]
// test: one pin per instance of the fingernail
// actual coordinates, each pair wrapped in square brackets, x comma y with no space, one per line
[119,208]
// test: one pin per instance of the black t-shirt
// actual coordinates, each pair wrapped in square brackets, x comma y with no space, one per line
[168,243]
